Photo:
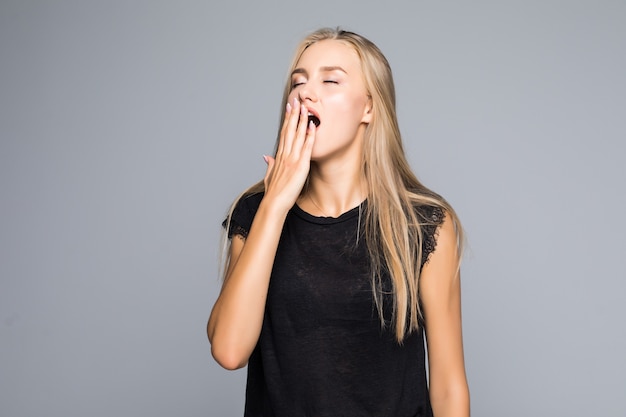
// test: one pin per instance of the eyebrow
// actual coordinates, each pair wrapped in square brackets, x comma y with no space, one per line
[322,69]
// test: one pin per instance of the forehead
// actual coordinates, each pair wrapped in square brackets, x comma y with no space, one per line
[330,53]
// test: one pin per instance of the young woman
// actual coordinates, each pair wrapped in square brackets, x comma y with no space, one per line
[340,259]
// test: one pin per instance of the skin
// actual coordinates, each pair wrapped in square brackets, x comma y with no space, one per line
[328,81]
[440,292]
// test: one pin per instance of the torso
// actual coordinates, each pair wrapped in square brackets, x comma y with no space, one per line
[322,349]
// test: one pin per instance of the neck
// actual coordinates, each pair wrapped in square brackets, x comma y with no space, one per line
[333,189]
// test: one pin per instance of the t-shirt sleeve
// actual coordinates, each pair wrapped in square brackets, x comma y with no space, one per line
[243,215]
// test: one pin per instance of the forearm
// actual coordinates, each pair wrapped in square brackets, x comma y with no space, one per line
[235,322]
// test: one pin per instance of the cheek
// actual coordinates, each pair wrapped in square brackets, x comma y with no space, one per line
[350,108]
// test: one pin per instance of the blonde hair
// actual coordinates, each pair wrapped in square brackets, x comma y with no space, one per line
[392,227]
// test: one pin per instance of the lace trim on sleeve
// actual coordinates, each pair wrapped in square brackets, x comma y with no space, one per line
[236,230]
[433,219]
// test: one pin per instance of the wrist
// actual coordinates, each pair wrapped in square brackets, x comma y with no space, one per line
[273,208]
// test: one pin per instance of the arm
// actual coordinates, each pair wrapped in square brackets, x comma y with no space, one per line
[440,289]
[237,316]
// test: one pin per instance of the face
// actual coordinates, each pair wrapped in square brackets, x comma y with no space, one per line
[329,82]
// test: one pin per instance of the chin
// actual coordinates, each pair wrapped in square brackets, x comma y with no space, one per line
[320,152]
[316,156]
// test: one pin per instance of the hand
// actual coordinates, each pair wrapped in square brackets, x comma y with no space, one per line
[288,171]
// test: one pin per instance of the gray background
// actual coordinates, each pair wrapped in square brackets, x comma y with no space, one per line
[127,127]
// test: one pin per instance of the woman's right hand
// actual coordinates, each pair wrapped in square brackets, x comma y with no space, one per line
[288,170]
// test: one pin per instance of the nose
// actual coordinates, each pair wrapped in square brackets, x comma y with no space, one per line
[307,93]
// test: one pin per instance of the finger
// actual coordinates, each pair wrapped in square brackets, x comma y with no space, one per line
[283,129]
[307,148]
[301,131]
[292,125]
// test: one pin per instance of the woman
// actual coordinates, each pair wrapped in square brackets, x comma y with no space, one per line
[340,259]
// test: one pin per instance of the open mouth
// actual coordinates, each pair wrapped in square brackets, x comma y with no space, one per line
[313,118]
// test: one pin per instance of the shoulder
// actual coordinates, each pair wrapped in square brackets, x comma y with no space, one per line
[430,218]
[428,206]
[441,265]
[249,202]
[431,215]
[241,214]
[431,210]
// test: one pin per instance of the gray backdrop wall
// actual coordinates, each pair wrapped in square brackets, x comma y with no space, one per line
[127,127]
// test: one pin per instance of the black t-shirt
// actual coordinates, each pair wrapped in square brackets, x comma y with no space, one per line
[322,351]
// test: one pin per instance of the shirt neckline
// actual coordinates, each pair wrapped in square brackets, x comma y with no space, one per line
[353,212]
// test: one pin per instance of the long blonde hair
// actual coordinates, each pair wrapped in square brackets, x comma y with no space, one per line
[392,226]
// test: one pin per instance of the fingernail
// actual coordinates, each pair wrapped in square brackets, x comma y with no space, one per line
[288,107]
[311,125]
[295,101]
[266,159]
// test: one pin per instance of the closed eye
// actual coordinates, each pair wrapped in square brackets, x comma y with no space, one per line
[331,82]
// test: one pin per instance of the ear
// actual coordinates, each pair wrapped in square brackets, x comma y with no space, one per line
[368,113]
